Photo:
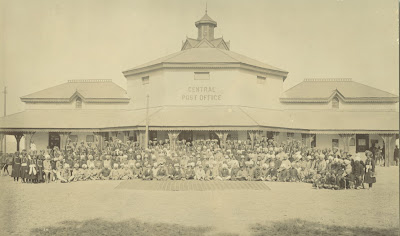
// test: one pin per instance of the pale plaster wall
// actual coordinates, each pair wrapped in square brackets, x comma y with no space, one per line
[175,87]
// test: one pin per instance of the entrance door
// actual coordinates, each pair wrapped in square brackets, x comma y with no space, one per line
[362,142]
[54,140]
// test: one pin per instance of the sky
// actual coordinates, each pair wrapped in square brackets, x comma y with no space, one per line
[44,43]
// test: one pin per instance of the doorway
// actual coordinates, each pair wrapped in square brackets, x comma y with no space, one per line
[54,140]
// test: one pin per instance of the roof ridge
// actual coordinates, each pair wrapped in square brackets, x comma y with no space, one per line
[89,80]
[223,51]
[249,58]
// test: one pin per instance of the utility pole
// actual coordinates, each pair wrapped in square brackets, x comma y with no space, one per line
[5,113]
[146,141]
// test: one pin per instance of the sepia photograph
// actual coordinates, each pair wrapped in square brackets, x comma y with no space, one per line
[199,117]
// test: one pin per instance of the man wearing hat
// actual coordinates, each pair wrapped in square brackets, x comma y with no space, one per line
[242,174]
[224,173]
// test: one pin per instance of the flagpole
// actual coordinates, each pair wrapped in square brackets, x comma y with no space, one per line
[146,142]
[5,113]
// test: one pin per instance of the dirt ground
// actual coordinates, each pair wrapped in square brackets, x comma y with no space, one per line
[25,207]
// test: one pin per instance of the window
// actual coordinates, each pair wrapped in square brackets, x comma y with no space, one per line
[201,75]
[290,135]
[145,80]
[78,102]
[261,80]
[335,103]
[89,138]
[73,138]
[362,142]
[270,135]
[335,143]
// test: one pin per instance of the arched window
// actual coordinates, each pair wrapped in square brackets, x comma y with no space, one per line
[335,103]
[78,103]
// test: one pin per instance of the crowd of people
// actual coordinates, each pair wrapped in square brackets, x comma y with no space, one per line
[263,160]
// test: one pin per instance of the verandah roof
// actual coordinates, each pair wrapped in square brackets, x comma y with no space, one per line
[204,118]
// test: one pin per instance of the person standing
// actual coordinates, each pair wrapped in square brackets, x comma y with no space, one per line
[369,170]
[16,167]
[24,168]
[396,155]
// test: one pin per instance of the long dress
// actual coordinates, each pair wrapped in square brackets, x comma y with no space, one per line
[16,167]
[369,171]
[24,167]
[39,169]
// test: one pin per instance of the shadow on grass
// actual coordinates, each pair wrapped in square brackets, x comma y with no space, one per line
[305,228]
[135,227]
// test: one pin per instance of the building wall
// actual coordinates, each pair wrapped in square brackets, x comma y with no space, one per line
[179,87]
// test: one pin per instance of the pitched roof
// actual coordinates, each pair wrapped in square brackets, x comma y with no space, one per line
[321,120]
[87,89]
[324,89]
[205,118]
[206,20]
[209,56]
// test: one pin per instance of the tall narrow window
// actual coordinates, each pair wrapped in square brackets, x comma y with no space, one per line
[335,103]
[78,103]
[201,75]
[261,80]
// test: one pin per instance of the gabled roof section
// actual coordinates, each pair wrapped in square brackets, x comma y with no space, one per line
[215,43]
[88,90]
[323,90]
[206,58]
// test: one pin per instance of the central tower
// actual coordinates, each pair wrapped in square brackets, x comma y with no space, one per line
[206,27]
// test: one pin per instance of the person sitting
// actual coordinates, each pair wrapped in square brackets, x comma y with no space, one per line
[162,172]
[224,173]
[190,173]
[147,173]
[64,175]
[200,174]
[93,174]
[125,172]
[242,174]
[114,174]
[76,173]
[105,173]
